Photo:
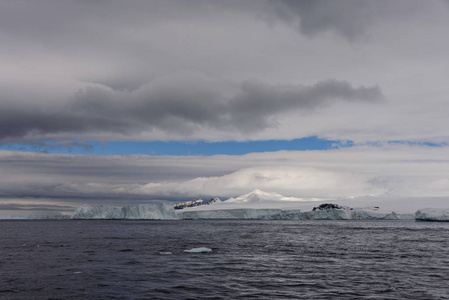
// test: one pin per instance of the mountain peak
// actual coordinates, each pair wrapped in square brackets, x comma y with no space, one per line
[256,196]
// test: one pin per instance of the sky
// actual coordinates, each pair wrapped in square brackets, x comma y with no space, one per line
[122,102]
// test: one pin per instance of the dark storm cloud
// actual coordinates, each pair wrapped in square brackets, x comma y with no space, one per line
[349,18]
[257,104]
[123,58]
[180,106]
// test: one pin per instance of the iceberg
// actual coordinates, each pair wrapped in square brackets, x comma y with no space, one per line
[329,214]
[368,214]
[100,211]
[432,214]
[199,250]
[257,205]
[151,211]
[329,211]
[244,213]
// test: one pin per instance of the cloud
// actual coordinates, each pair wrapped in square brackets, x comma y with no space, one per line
[168,70]
[394,171]
[350,19]
[180,105]
[307,182]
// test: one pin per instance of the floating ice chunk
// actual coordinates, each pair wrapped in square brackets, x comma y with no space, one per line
[165,253]
[199,250]
[432,214]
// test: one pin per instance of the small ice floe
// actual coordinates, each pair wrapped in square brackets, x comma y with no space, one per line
[199,250]
[165,253]
[77,272]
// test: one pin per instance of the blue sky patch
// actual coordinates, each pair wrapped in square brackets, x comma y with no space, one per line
[179,147]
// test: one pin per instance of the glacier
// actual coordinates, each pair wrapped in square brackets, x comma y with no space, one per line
[256,205]
[294,214]
[158,210]
[262,205]
[100,211]
[244,213]
[432,214]
[150,211]
[337,212]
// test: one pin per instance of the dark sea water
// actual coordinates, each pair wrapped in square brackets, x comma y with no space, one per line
[72,259]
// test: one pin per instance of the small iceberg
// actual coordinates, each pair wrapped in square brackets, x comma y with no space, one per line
[432,214]
[199,250]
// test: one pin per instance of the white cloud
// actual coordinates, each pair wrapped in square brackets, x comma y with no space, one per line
[304,182]
[391,170]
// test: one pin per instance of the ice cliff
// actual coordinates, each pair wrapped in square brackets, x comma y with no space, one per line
[432,214]
[244,213]
[150,211]
[331,211]
[257,205]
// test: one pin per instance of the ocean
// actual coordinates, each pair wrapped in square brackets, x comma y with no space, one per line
[120,259]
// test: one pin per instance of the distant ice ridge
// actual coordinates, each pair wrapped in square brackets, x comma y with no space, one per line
[159,210]
[272,206]
[432,214]
[341,213]
[257,205]
[346,213]
[337,212]
[244,213]
[34,217]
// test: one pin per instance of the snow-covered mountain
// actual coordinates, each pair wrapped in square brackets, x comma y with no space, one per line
[260,196]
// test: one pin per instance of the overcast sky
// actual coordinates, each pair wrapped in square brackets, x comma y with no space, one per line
[362,73]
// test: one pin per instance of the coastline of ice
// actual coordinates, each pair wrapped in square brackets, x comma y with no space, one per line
[244,213]
[278,214]
[260,205]
[272,206]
